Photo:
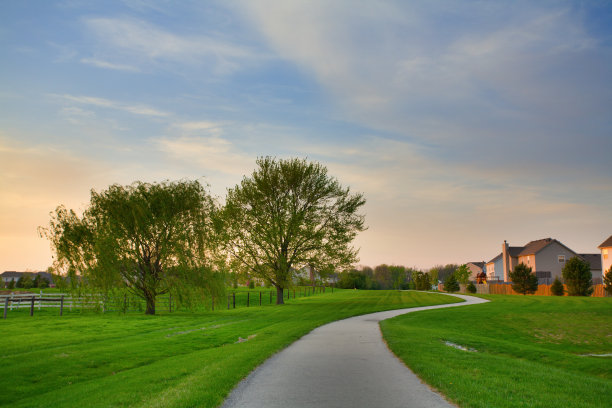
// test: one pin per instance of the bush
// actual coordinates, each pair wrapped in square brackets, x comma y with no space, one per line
[523,281]
[251,285]
[577,277]
[557,288]
[471,288]
[607,280]
[451,285]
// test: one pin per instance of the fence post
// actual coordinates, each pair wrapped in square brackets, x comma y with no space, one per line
[260,298]
[124,303]
[12,301]
[234,299]
[270,297]
[228,302]
[32,307]
[213,303]
[6,300]
[62,305]
[248,298]
[40,300]
[170,303]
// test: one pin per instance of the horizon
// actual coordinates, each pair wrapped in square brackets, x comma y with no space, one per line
[464,125]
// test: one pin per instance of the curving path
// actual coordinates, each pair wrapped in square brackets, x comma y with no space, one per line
[341,364]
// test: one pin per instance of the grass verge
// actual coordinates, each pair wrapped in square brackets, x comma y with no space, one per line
[526,351]
[169,360]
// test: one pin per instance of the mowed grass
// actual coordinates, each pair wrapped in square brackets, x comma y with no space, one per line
[170,360]
[530,351]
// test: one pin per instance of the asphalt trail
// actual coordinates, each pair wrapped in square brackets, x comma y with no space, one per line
[341,364]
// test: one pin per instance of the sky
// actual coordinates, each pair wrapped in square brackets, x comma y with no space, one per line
[463,123]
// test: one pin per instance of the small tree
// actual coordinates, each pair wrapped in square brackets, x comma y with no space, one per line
[451,285]
[422,281]
[11,284]
[607,280]
[471,287]
[523,281]
[577,277]
[462,274]
[25,281]
[557,288]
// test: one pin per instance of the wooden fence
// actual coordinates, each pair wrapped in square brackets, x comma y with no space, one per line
[124,303]
[506,289]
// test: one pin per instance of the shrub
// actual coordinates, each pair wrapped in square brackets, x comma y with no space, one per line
[557,288]
[607,280]
[471,287]
[451,285]
[577,277]
[523,281]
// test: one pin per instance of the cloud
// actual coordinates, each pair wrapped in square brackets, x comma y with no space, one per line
[109,65]
[143,43]
[141,110]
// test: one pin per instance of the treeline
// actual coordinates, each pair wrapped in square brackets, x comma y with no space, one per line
[394,277]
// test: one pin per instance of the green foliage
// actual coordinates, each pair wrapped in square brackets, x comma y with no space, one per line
[557,288]
[471,287]
[25,281]
[422,281]
[577,277]
[353,279]
[11,284]
[451,285]
[523,281]
[287,215]
[607,281]
[433,274]
[151,238]
[462,274]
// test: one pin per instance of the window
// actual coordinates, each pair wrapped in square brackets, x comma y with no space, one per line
[561,258]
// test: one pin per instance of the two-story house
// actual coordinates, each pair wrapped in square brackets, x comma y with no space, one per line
[606,254]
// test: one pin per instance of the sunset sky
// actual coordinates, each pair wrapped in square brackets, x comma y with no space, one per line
[464,123]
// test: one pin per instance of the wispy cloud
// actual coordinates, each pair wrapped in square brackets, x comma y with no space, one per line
[109,65]
[136,109]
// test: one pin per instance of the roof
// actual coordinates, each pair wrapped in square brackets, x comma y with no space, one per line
[593,259]
[536,246]
[478,264]
[13,274]
[607,243]
[495,259]
[514,251]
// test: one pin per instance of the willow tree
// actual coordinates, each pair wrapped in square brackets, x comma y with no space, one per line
[291,214]
[150,238]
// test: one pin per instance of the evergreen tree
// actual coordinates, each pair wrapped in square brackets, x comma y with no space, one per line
[557,288]
[577,277]
[451,285]
[523,281]
[607,280]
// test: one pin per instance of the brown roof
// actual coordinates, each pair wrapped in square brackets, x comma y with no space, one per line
[536,246]
[593,259]
[607,243]
[478,264]
[514,251]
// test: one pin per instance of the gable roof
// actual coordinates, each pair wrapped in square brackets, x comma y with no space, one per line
[536,246]
[607,243]
[496,258]
[514,251]
[478,264]
[593,259]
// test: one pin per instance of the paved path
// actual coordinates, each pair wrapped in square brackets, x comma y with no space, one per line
[341,364]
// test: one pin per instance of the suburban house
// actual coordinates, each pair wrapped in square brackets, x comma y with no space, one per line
[546,257]
[9,276]
[475,269]
[606,254]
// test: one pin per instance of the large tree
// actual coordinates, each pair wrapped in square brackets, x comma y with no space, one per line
[150,238]
[523,280]
[577,276]
[289,214]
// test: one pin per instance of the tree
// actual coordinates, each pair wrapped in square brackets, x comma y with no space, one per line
[462,274]
[471,287]
[398,276]
[25,281]
[289,214]
[422,281]
[557,288]
[577,277]
[607,281]
[433,274]
[523,281]
[149,238]
[450,284]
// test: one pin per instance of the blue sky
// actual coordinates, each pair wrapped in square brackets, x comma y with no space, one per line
[464,123]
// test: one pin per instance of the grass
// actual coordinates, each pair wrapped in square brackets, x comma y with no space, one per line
[170,360]
[530,351]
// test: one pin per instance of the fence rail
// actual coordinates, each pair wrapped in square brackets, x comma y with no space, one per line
[129,303]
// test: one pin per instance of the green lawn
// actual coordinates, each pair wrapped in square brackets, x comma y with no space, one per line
[529,351]
[171,360]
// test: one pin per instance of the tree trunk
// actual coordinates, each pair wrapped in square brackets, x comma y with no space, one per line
[280,293]
[150,304]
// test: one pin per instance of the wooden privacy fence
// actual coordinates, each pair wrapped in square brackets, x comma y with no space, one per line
[128,303]
[506,289]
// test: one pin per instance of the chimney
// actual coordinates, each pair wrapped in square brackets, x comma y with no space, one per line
[505,260]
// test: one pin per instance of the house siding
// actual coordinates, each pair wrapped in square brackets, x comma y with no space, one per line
[546,260]
[606,259]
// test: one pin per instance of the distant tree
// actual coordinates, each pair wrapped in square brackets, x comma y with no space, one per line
[523,281]
[462,274]
[471,287]
[422,281]
[607,280]
[352,279]
[149,238]
[451,285]
[433,274]
[577,277]
[445,270]
[398,276]
[290,214]
[11,284]
[382,275]
[557,288]
[25,281]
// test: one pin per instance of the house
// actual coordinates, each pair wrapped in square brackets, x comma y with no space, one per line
[495,269]
[475,269]
[9,276]
[606,254]
[594,261]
